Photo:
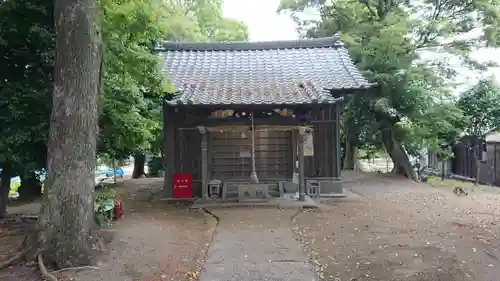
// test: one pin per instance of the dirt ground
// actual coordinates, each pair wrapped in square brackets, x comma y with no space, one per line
[398,230]
[390,229]
[153,241]
[12,233]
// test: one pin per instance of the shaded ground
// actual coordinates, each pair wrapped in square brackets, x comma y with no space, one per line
[255,244]
[399,230]
[12,233]
[153,241]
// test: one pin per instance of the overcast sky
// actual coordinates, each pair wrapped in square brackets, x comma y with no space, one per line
[265,24]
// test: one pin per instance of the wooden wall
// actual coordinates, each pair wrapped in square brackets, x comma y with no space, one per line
[275,151]
[326,159]
[230,155]
[464,161]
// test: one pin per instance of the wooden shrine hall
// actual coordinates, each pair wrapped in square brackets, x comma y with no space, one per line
[256,119]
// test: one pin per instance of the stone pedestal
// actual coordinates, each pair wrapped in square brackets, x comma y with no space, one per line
[253,191]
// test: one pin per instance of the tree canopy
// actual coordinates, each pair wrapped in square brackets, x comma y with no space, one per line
[26,56]
[133,83]
[412,108]
[480,105]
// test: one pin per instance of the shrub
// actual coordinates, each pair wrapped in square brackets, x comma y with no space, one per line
[104,203]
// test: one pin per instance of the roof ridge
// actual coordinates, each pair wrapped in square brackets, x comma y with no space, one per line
[324,42]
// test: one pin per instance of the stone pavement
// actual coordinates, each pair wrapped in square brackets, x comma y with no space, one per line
[255,244]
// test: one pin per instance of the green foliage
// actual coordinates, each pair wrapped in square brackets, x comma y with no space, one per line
[386,40]
[481,106]
[133,81]
[26,48]
[104,203]
[202,20]
[132,84]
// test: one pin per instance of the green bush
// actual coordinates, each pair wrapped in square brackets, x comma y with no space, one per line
[104,203]
[14,186]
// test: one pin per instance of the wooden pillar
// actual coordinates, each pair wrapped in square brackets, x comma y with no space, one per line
[204,161]
[302,181]
[169,132]
[336,141]
[294,152]
[316,169]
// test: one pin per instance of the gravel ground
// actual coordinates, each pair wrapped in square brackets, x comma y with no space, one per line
[398,230]
[153,241]
[154,244]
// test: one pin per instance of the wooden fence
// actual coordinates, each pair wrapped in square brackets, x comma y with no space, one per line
[464,163]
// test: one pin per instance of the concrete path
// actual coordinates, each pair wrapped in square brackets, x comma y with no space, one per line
[255,244]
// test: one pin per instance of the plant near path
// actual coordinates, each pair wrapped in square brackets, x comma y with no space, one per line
[104,204]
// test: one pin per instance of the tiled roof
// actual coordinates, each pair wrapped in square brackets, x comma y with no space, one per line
[280,72]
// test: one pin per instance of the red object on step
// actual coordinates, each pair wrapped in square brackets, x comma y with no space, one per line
[182,185]
[117,210]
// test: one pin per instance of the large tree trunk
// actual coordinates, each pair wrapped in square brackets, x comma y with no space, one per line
[6,175]
[399,157]
[67,222]
[351,155]
[350,146]
[139,163]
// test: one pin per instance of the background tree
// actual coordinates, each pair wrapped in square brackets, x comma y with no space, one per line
[480,106]
[26,57]
[133,82]
[387,40]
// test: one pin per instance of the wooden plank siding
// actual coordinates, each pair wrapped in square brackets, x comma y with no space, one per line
[490,169]
[323,163]
[230,155]
[276,151]
[464,161]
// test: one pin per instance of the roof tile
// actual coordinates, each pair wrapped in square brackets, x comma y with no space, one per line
[281,72]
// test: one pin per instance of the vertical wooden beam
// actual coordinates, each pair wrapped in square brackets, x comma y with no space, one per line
[169,128]
[328,143]
[336,140]
[204,161]
[209,156]
[294,151]
[302,180]
[318,139]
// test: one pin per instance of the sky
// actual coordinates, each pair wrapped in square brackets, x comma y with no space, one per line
[265,24]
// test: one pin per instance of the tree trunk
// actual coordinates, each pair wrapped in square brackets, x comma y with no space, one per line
[66,224]
[350,145]
[351,155]
[6,175]
[139,163]
[397,153]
